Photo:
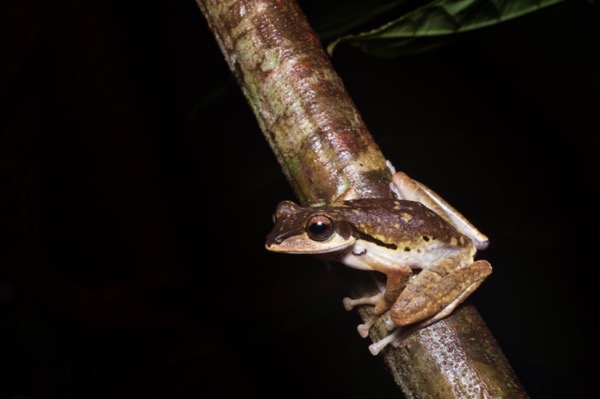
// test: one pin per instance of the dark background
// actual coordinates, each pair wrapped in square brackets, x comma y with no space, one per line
[136,190]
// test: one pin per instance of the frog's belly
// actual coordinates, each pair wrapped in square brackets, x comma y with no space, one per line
[370,257]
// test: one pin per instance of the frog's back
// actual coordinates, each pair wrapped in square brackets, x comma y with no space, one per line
[398,220]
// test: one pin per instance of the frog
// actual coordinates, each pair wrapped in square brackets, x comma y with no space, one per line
[425,248]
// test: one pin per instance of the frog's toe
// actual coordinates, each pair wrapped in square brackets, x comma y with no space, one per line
[389,323]
[363,329]
[348,304]
[378,346]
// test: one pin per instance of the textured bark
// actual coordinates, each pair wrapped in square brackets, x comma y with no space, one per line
[300,102]
[325,149]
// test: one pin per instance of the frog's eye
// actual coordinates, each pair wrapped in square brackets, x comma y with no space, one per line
[320,228]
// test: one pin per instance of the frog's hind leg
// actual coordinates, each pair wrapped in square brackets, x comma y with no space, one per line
[431,305]
[436,292]
[398,335]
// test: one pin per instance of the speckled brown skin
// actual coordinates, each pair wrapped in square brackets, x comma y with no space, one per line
[391,222]
[392,237]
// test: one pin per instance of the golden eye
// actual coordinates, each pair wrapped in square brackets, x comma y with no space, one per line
[320,228]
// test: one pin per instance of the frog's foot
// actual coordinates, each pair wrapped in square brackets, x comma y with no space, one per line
[392,338]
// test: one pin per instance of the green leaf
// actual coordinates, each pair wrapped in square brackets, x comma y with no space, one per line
[435,22]
[333,18]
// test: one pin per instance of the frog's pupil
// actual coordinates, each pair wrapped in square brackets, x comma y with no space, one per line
[318,228]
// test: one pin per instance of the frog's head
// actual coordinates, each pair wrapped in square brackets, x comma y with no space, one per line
[300,230]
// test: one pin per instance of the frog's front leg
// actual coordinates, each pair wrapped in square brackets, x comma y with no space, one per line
[397,277]
[408,189]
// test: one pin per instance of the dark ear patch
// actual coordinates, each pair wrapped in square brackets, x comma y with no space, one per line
[344,229]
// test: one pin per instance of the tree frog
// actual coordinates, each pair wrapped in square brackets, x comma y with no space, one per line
[424,247]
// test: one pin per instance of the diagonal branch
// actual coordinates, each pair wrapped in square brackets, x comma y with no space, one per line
[324,149]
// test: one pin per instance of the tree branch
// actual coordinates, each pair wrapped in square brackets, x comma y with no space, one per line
[324,149]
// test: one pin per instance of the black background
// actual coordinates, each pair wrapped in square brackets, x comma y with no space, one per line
[136,190]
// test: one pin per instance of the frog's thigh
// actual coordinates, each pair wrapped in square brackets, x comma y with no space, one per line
[435,292]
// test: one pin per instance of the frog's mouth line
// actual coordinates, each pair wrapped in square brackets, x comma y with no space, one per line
[299,246]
